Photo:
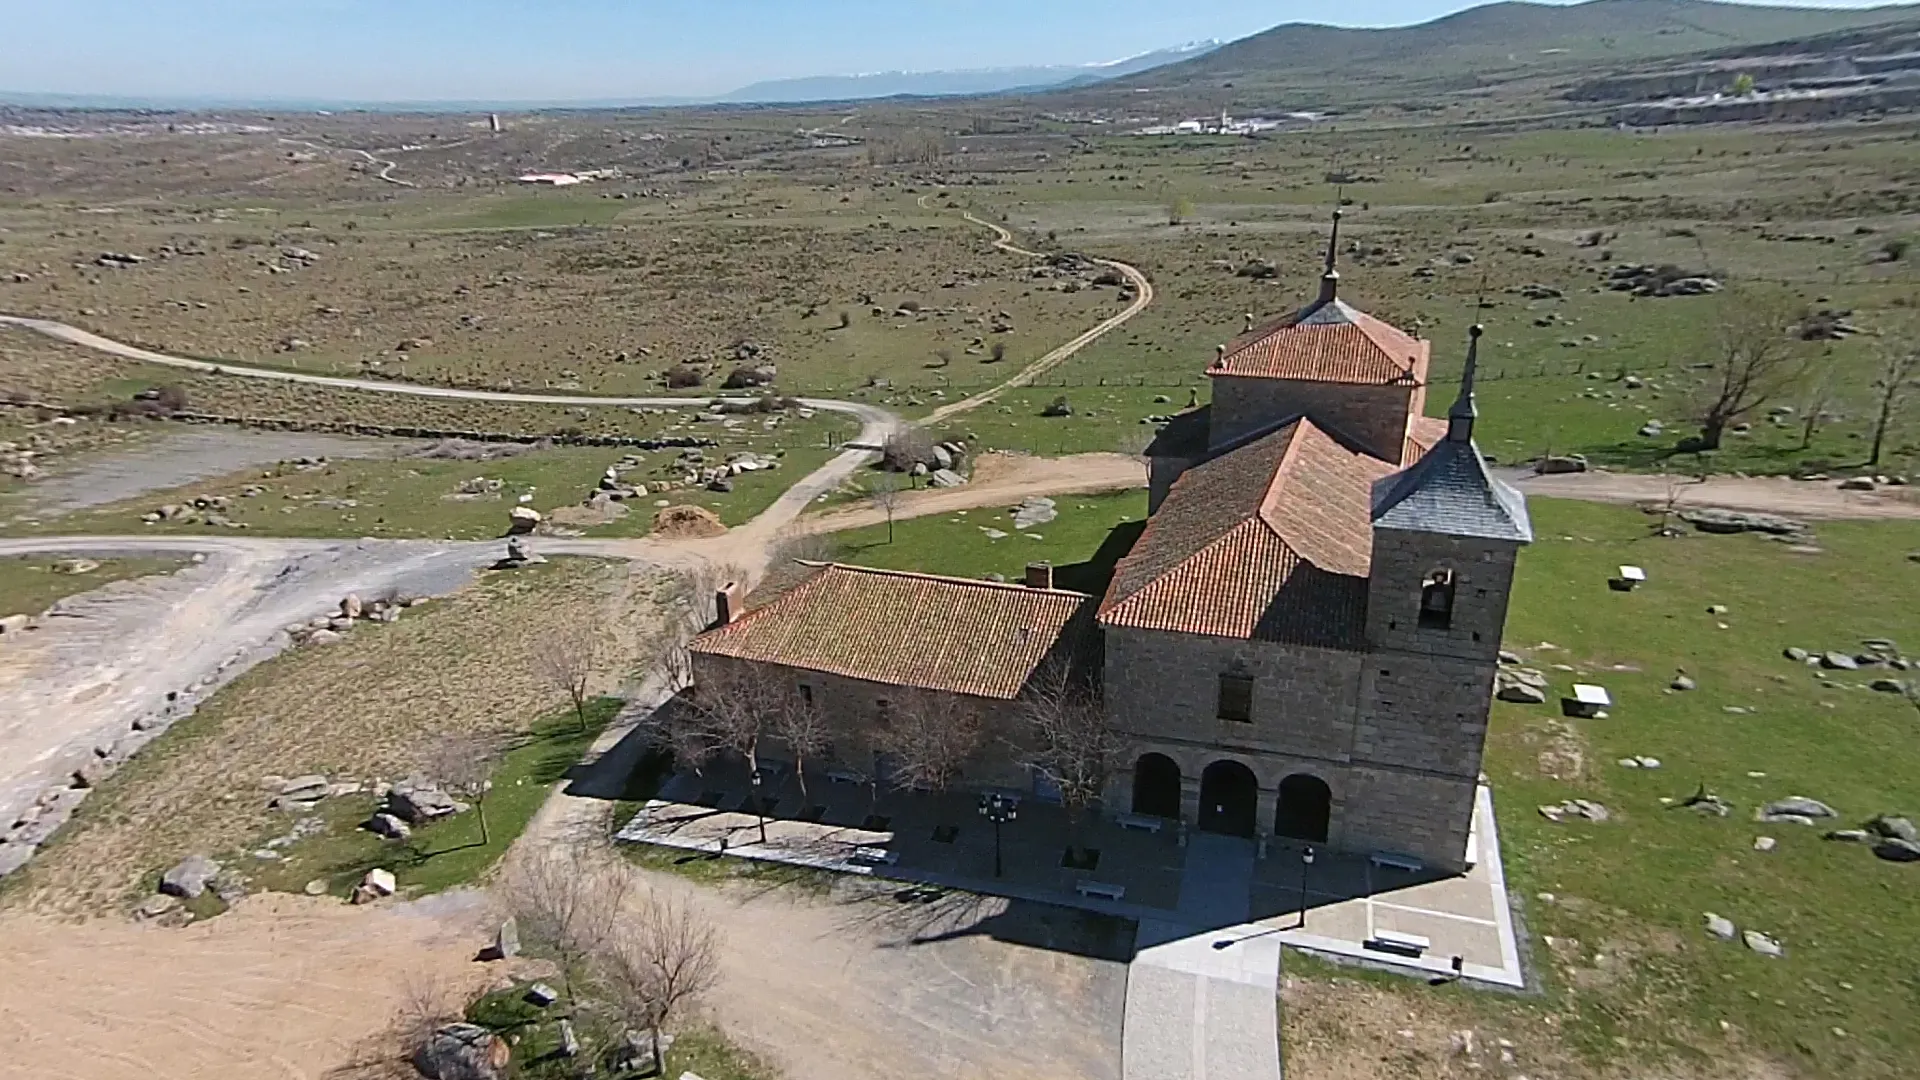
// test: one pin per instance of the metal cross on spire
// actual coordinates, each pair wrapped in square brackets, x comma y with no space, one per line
[1330,279]
[1465,410]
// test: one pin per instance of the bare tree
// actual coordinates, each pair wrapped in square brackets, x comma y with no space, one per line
[463,764]
[570,903]
[906,448]
[1070,742]
[1758,358]
[886,496]
[929,736]
[664,958]
[567,659]
[1899,377]
[1816,397]
[805,731]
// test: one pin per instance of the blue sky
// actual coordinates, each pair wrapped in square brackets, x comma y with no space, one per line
[547,50]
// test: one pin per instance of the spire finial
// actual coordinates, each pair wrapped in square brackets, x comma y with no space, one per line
[1330,279]
[1465,411]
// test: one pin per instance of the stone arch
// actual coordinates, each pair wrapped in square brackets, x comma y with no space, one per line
[1229,798]
[1156,786]
[1304,810]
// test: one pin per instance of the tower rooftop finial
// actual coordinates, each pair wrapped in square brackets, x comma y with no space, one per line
[1465,410]
[1330,278]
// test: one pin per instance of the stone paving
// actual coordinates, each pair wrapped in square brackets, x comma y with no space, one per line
[1212,911]
[941,839]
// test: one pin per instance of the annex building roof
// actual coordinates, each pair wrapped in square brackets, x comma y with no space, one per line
[887,626]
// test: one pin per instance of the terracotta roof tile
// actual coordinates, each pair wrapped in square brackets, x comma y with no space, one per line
[935,633]
[1271,541]
[1423,434]
[1326,342]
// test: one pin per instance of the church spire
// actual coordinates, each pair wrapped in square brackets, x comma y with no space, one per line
[1330,280]
[1460,418]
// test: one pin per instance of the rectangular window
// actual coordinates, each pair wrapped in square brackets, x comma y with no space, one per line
[806,694]
[1236,698]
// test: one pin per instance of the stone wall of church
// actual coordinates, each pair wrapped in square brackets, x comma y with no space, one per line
[857,712]
[1409,813]
[1166,686]
[1375,417]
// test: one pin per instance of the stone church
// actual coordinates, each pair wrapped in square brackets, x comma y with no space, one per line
[1301,643]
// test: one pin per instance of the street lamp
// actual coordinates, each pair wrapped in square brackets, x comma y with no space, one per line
[1306,865]
[998,809]
[759,807]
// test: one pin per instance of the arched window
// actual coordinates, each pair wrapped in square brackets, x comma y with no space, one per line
[1436,601]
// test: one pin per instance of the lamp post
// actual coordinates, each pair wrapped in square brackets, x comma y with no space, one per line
[1306,865]
[759,806]
[998,809]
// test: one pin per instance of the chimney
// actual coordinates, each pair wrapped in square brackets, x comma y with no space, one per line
[726,604]
[1039,575]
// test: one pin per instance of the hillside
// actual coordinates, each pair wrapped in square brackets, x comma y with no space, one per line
[1500,41]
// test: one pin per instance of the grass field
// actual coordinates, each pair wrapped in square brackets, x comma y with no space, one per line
[448,852]
[1621,945]
[1090,535]
[31,584]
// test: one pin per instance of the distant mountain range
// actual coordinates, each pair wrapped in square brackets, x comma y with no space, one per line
[954,83]
[773,92]
[1496,40]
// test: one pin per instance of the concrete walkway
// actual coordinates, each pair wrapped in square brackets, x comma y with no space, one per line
[1195,1011]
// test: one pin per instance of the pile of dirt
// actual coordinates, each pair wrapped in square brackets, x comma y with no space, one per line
[687,523]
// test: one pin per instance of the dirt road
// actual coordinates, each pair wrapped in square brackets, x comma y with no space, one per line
[1755,494]
[998,480]
[1143,296]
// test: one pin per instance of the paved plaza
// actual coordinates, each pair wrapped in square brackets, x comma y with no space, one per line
[1249,889]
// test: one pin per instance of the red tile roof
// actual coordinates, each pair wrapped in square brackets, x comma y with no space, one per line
[1270,541]
[1326,342]
[1423,434]
[936,633]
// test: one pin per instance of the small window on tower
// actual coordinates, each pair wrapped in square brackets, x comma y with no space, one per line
[1436,601]
[1236,698]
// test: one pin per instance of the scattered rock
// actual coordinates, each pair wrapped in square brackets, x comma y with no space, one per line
[1762,944]
[1554,464]
[462,1052]
[316,887]
[1520,693]
[188,878]
[416,802]
[1683,681]
[1035,511]
[388,826]
[1894,828]
[1898,850]
[1889,686]
[541,995]
[506,941]
[1838,661]
[945,478]
[1576,808]
[1763,843]
[1796,808]
[569,1042]
[1798,656]
[1721,927]
[1710,519]
[523,519]
[156,906]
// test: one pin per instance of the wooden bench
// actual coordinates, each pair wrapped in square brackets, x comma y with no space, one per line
[873,855]
[1392,941]
[1100,890]
[1140,822]
[1389,861]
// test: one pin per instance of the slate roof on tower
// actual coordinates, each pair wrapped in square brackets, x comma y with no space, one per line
[1450,489]
[1268,541]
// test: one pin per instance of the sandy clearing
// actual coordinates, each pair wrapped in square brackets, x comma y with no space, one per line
[280,987]
[998,479]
